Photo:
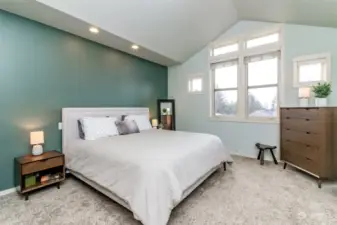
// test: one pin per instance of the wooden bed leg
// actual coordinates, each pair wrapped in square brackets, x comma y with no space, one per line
[224,166]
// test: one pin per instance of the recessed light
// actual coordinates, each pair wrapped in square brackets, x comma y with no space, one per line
[135,47]
[94,30]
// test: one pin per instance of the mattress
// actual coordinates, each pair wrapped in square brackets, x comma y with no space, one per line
[149,171]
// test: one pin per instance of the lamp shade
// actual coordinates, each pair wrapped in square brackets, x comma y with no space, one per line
[154,122]
[36,137]
[304,93]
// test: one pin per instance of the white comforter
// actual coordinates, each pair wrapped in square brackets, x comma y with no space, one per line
[149,170]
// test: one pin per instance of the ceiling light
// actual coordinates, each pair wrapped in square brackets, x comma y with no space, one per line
[135,47]
[94,30]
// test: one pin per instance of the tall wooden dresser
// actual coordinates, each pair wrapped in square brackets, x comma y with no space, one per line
[309,140]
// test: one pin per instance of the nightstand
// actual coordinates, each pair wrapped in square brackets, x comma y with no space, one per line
[35,172]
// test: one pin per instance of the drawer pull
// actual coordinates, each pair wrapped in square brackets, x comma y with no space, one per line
[287,117]
[307,158]
[307,119]
[308,133]
[308,146]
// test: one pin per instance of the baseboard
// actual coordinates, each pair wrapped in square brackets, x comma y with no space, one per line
[8,191]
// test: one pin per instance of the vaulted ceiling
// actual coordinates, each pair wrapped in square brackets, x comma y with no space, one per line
[167,31]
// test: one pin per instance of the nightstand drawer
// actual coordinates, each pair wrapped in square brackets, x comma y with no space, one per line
[41,165]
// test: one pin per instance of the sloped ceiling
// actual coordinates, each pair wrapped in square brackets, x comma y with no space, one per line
[167,31]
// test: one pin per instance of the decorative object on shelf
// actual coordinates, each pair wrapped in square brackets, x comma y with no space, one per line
[30,180]
[322,91]
[304,95]
[36,140]
[154,123]
[166,113]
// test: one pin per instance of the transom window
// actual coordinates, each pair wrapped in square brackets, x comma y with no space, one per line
[245,84]
[225,49]
[268,39]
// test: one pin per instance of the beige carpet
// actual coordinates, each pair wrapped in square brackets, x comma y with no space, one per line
[247,194]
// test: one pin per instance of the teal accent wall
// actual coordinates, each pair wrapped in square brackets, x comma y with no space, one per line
[43,70]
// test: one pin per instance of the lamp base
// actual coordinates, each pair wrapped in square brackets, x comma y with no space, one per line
[37,150]
[304,102]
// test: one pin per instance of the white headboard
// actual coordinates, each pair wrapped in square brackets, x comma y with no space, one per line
[71,115]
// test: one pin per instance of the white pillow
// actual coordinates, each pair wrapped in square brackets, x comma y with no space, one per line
[98,127]
[142,121]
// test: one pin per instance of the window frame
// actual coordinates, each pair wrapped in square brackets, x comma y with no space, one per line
[311,59]
[242,113]
[277,85]
[191,78]
[214,89]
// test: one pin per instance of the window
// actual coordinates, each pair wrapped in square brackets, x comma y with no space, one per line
[269,39]
[245,85]
[225,88]
[225,49]
[309,70]
[195,85]
[262,76]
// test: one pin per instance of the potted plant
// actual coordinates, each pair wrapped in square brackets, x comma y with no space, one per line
[164,111]
[321,91]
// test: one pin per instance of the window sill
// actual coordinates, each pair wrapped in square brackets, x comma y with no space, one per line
[241,120]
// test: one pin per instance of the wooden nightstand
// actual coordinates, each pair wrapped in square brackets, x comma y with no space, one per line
[34,167]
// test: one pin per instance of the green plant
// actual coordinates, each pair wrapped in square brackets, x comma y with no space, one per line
[322,90]
[164,111]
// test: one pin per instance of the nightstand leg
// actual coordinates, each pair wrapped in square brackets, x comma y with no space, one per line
[319,182]
[58,185]
[284,165]
[224,166]
[26,197]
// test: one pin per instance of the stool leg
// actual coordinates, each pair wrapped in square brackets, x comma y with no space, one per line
[274,158]
[284,165]
[258,157]
[262,157]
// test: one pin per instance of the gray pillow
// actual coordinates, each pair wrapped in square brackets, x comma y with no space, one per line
[80,130]
[127,127]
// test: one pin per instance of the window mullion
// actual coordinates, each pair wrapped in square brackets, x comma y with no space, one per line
[242,86]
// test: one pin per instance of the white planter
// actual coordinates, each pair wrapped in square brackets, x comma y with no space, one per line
[321,102]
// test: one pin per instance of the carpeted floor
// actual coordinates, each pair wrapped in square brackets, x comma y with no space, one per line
[246,193]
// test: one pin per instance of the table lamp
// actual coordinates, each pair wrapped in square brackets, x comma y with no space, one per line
[154,123]
[304,95]
[36,140]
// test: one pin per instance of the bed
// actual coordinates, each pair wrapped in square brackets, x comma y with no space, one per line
[148,173]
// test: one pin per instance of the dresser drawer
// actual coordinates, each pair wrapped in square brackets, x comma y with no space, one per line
[302,162]
[41,165]
[302,113]
[304,125]
[306,138]
[304,150]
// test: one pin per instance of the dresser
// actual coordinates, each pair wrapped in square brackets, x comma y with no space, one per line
[309,140]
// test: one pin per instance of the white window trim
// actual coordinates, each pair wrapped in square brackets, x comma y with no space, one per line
[196,76]
[307,59]
[242,76]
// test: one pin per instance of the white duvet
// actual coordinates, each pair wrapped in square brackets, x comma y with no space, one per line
[149,170]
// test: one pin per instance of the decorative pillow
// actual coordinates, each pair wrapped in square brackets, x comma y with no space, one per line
[127,127]
[80,130]
[98,127]
[142,121]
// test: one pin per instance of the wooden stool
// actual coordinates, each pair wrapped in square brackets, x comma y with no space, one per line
[262,148]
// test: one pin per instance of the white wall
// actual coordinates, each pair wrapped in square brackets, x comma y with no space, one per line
[193,110]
